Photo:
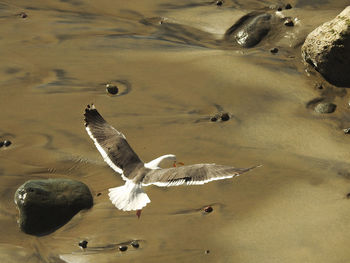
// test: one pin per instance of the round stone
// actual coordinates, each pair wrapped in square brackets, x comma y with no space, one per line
[288,6]
[112,89]
[274,50]
[83,244]
[135,244]
[123,248]
[288,22]
[219,3]
[7,143]
[208,209]
[325,107]
[225,116]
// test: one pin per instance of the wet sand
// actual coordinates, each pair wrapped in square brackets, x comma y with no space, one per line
[174,72]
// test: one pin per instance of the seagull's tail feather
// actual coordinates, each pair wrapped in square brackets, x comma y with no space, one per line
[128,197]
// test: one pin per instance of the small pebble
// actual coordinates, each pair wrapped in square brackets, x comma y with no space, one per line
[98,194]
[23,15]
[219,3]
[348,196]
[135,244]
[123,248]
[279,9]
[7,143]
[288,6]
[214,118]
[288,22]
[325,107]
[274,50]
[225,116]
[208,209]
[83,244]
[1,144]
[346,131]
[112,89]
[207,251]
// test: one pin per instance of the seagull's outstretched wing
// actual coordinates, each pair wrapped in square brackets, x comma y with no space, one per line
[111,143]
[192,174]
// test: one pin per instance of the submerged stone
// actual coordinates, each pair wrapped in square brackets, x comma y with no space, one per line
[251,29]
[123,248]
[45,205]
[325,107]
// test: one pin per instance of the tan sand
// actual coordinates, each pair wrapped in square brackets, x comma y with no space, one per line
[59,58]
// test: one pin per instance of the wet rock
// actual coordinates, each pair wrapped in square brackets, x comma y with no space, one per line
[208,209]
[135,244]
[288,6]
[23,15]
[325,107]
[274,50]
[250,29]
[112,89]
[83,244]
[288,22]
[123,248]
[327,49]
[46,205]
[225,116]
[219,3]
[7,143]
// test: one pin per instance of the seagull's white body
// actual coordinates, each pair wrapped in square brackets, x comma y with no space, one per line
[118,154]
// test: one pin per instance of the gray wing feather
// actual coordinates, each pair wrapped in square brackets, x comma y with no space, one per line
[192,174]
[111,143]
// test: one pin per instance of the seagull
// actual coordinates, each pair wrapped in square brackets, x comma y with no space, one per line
[118,154]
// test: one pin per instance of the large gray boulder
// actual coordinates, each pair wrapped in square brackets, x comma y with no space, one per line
[327,48]
[46,205]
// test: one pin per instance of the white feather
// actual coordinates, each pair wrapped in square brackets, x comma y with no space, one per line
[154,164]
[128,197]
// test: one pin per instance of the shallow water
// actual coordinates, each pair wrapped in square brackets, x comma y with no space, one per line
[174,71]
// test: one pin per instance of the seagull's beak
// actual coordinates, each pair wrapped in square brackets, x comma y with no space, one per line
[138,213]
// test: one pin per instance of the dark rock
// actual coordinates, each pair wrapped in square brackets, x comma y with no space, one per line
[7,143]
[123,248]
[112,89]
[274,50]
[23,15]
[1,144]
[83,244]
[208,209]
[135,244]
[219,3]
[225,116]
[46,205]
[279,9]
[250,29]
[327,49]
[325,107]
[288,6]
[207,251]
[98,194]
[215,118]
[288,22]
